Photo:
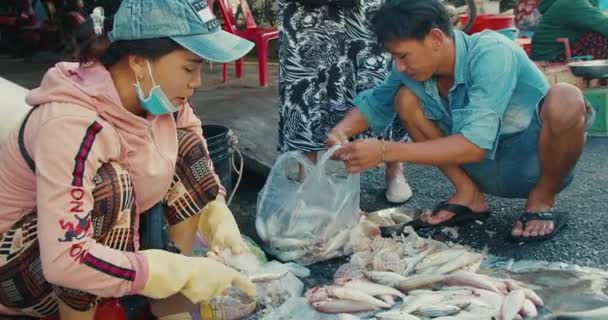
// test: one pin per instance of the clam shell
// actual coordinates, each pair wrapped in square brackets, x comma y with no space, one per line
[349,271]
[388,260]
[380,243]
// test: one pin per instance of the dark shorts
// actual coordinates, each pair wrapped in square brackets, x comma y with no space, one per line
[23,287]
[515,169]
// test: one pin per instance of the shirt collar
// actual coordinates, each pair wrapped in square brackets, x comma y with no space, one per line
[462,50]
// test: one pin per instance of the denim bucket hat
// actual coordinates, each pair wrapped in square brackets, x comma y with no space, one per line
[190,23]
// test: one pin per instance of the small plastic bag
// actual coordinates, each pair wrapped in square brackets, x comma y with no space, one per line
[308,221]
[276,292]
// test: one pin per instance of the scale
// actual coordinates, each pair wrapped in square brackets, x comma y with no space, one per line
[590,70]
[596,95]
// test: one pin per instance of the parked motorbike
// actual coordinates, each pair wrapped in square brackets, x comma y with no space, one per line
[456,8]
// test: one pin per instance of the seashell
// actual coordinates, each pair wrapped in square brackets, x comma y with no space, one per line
[362,258]
[388,260]
[380,243]
[349,271]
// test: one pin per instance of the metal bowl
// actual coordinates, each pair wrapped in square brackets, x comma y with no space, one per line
[593,69]
[392,216]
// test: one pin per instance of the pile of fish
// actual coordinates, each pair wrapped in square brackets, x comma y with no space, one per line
[433,280]
[312,236]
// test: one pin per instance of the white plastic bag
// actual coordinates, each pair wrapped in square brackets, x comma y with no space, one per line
[275,293]
[308,221]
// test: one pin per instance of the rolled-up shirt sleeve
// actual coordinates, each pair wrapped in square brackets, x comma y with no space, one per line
[494,77]
[376,105]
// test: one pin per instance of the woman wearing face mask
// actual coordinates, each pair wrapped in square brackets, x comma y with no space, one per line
[106,140]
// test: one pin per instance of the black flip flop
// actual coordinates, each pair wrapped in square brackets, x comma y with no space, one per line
[462,215]
[559,218]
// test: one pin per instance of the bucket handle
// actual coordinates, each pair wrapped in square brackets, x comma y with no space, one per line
[239,170]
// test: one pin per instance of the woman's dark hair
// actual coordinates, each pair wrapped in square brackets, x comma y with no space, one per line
[91,47]
[410,20]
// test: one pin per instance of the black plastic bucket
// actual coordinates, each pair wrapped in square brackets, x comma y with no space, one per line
[220,150]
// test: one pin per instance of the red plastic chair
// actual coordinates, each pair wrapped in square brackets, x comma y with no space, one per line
[260,36]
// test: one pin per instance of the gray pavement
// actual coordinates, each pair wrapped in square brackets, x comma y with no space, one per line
[252,113]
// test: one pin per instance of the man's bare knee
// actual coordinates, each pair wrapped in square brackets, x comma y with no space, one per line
[564,108]
[407,105]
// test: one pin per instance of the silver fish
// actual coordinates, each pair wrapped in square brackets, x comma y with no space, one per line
[336,243]
[470,279]
[387,298]
[373,289]
[438,311]
[267,277]
[418,282]
[346,316]
[532,296]
[528,309]
[512,304]
[395,315]
[439,258]
[355,295]
[386,278]
[342,306]
[467,258]
[419,292]
[291,255]
[285,244]
[416,302]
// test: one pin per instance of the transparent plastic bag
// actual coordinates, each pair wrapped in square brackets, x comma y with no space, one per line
[275,293]
[308,221]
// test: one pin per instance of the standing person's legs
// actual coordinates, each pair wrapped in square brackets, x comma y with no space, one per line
[398,189]
[21,270]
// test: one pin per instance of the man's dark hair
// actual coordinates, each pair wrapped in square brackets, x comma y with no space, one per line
[410,19]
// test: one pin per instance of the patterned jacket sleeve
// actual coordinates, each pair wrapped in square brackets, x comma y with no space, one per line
[196,182]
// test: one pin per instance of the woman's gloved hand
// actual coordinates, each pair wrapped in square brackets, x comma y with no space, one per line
[197,278]
[218,228]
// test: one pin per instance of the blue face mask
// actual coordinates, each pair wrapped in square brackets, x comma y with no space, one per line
[157,102]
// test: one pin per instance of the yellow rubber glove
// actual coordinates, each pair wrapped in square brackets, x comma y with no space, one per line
[198,279]
[218,228]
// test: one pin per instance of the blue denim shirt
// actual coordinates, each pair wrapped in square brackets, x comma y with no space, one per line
[495,93]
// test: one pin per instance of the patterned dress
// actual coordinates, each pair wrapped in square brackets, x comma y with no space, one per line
[327,56]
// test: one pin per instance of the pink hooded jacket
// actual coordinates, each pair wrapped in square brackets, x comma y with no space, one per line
[79,125]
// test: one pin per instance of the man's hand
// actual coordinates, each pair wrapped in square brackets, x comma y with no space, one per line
[335,137]
[361,154]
